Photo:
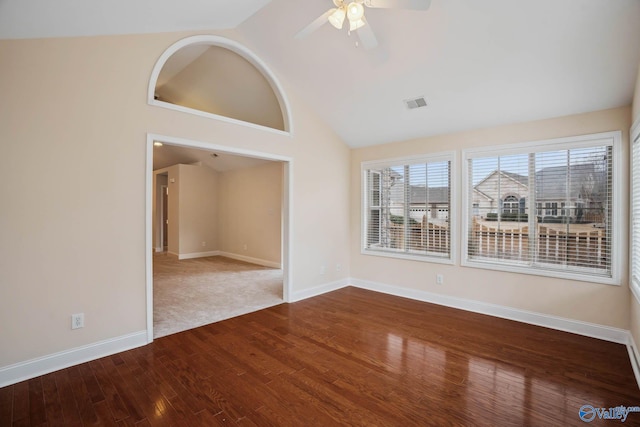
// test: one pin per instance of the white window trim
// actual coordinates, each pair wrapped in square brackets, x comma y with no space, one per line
[633,136]
[581,141]
[450,156]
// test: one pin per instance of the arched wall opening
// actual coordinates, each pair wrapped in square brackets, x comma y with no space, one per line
[256,92]
[215,77]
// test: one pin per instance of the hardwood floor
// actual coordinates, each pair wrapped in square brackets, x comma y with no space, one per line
[349,357]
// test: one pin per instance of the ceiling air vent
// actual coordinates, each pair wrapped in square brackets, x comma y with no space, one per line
[415,103]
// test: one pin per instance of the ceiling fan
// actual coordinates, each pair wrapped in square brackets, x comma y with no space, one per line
[353,11]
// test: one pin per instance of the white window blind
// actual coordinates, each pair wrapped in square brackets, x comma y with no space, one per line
[543,208]
[635,211]
[406,207]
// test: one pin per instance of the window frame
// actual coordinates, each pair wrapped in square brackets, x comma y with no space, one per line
[613,138]
[634,175]
[377,207]
[449,156]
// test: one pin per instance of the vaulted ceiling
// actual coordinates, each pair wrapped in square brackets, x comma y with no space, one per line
[477,63]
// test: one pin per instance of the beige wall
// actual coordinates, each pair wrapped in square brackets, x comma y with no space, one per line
[173,210]
[167,176]
[251,212]
[601,304]
[226,210]
[216,82]
[73,125]
[198,209]
[159,180]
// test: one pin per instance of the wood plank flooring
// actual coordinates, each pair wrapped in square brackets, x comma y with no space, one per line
[349,357]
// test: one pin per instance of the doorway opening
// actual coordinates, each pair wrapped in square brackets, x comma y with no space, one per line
[164,215]
[246,235]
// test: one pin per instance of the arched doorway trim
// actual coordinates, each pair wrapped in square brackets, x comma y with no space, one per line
[245,53]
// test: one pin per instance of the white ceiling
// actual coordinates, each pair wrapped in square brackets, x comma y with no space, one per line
[62,18]
[169,155]
[479,63]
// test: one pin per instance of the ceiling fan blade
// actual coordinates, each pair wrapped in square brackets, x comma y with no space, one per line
[366,36]
[316,24]
[399,4]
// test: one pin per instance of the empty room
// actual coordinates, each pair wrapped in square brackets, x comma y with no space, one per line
[217,236]
[447,191]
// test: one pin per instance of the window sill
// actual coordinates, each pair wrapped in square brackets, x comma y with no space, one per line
[558,274]
[408,256]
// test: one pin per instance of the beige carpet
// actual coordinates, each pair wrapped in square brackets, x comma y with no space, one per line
[194,292]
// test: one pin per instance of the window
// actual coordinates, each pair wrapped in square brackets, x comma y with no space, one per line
[374,208]
[635,210]
[564,224]
[511,204]
[406,206]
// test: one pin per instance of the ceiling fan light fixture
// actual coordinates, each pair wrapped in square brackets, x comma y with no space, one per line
[354,25]
[355,11]
[337,17]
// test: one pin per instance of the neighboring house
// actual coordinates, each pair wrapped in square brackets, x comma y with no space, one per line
[501,190]
[432,202]
[579,193]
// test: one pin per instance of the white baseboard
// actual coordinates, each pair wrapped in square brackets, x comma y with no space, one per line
[192,255]
[159,249]
[258,261]
[43,365]
[633,357]
[319,290]
[593,330]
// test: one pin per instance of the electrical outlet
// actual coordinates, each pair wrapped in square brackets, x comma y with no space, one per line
[244,247]
[77,321]
[204,244]
[323,270]
[338,267]
[439,279]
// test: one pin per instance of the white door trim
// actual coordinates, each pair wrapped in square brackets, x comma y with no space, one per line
[286,211]
[163,219]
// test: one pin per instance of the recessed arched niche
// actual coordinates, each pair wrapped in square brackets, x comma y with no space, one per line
[218,78]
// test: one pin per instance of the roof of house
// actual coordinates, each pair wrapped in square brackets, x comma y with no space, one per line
[418,194]
[552,183]
[520,179]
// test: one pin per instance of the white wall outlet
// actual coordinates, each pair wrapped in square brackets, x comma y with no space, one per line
[244,247]
[204,244]
[338,267]
[323,269]
[439,279]
[77,321]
